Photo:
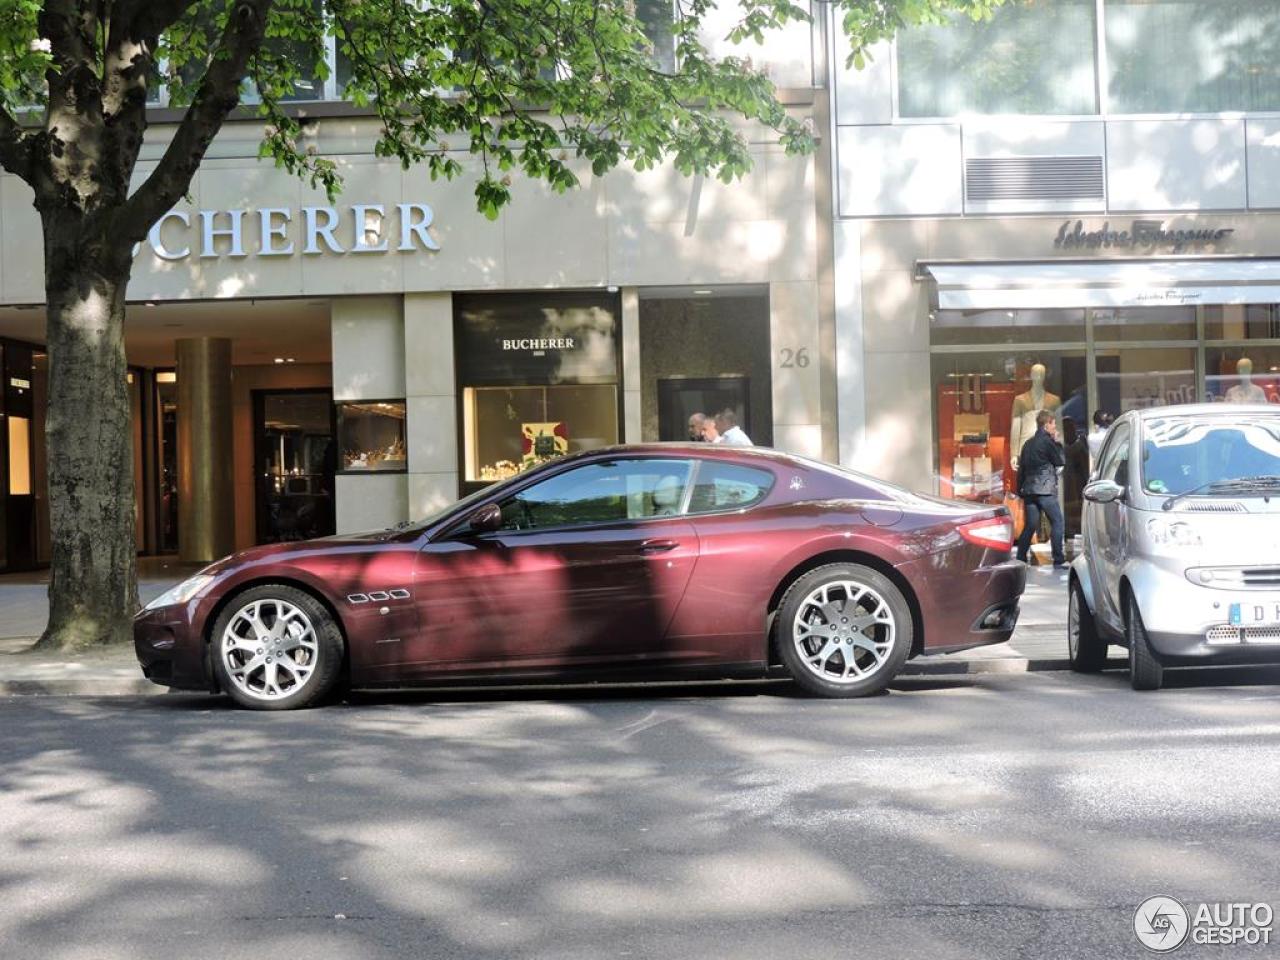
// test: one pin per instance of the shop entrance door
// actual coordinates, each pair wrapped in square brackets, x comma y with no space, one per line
[679,398]
[294,464]
[20,504]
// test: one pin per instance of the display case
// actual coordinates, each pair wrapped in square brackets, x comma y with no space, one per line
[538,378]
[973,427]
[509,429]
[371,436]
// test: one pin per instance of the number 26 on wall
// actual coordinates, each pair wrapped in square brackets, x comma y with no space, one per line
[794,358]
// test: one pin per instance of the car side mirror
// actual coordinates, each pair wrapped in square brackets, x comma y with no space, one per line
[485,519]
[1103,491]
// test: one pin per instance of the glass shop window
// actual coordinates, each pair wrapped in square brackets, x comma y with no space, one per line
[371,436]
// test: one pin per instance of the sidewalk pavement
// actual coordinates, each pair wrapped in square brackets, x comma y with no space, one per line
[1039,643]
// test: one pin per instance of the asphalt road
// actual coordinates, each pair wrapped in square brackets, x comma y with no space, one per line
[985,817]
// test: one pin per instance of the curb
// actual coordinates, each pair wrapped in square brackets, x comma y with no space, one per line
[990,665]
[80,687]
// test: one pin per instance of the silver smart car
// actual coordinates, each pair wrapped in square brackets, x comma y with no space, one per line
[1181,558]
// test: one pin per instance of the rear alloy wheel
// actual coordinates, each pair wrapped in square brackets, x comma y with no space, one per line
[1145,671]
[1087,650]
[276,648]
[843,630]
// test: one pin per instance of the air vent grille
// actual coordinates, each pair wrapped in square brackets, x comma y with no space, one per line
[1211,506]
[989,180]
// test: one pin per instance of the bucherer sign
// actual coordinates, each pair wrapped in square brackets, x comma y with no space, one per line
[356,228]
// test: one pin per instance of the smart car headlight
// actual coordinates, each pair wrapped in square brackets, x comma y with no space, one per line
[1175,533]
[183,592]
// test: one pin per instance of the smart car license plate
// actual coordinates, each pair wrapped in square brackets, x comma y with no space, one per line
[1265,614]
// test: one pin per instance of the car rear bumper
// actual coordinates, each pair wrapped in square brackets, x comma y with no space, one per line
[970,608]
[169,650]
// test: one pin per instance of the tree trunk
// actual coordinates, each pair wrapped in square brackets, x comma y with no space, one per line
[93,589]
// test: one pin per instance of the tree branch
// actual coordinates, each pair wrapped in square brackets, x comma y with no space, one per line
[217,95]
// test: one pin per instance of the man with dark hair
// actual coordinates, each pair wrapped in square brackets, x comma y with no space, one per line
[1038,464]
[728,430]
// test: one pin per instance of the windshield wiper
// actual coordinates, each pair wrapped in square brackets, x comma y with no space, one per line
[1260,484]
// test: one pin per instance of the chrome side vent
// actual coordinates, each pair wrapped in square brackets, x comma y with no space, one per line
[1210,506]
[1034,183]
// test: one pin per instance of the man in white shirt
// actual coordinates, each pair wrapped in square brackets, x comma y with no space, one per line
[728,431]
[1101,422]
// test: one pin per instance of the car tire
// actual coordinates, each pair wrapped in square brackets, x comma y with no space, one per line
[1145,671]
[833,649]
[1086,649]
[276,647]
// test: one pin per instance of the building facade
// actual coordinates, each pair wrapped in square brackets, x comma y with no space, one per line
[1074,206]
[300,366]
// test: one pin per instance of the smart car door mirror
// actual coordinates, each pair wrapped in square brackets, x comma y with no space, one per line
[1103,491]
[485,519]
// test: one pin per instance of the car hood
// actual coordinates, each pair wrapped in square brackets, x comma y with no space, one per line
[277,551]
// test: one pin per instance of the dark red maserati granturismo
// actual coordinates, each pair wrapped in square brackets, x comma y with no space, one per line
[661,561]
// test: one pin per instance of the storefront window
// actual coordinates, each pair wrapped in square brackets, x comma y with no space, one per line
[371,436]
[1242,374]
[1193,56]
[1254,321]
[1000,66]
[1133,379]
[511,429]
[986,407]
[539,378]
[1144,324]
[952,327]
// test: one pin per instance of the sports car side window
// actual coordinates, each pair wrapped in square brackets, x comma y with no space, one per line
[608,491]
[721,486]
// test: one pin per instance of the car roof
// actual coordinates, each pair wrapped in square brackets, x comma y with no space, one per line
[719,451]
[1206,410]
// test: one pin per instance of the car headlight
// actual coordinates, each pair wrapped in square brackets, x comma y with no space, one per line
[1175,533]
[183,592]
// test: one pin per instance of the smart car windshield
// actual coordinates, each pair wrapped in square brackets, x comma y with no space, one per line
[1182,454]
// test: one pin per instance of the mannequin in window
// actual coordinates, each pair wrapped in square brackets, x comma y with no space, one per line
[1022,424]
[1246,391]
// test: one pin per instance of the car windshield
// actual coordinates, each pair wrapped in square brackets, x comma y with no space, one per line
[461,506]
[1182,454]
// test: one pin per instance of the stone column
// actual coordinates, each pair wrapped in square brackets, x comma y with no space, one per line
[631,379]
[206,494]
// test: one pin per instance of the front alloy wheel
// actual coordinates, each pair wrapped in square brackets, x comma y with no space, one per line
[844,630]
[275,648]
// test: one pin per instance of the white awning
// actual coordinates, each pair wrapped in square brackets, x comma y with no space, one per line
[1012,286]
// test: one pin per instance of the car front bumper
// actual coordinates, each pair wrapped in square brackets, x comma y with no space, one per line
[169,648]
[1189,624]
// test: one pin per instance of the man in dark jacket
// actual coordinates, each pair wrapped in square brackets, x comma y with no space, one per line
[1038,465]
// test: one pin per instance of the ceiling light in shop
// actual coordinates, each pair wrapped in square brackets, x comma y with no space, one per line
[279,359]
[702,293]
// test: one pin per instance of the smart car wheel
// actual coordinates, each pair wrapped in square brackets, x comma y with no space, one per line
[843,630]
[1086,649]
[1145,671]
[276,648]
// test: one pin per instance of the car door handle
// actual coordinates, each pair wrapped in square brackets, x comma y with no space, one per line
[658,546]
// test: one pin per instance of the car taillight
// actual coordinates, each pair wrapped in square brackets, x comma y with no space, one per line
[994,534]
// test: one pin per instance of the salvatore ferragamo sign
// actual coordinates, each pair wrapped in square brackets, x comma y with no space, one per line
[1142,235]
[355,228]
